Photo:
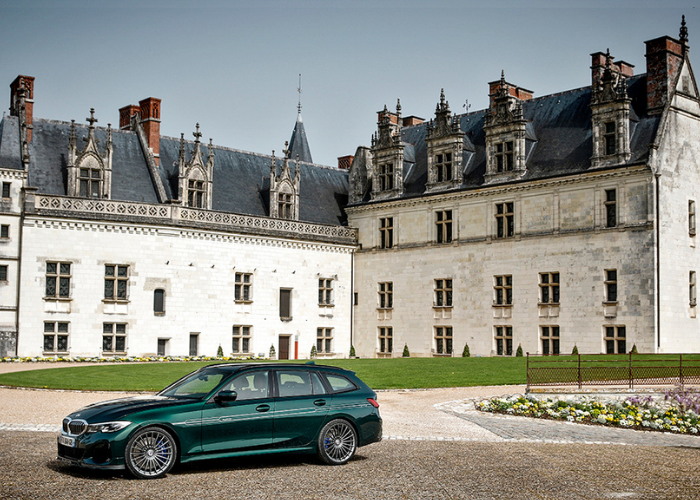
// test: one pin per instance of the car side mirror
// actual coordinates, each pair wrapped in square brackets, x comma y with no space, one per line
[225,397]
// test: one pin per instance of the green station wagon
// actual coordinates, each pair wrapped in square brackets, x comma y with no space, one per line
[227,410]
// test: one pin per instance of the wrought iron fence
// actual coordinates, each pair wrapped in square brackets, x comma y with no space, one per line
[613,369]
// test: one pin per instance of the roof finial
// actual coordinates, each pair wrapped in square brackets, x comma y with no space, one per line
[197,134]
[92,118]
[299,90]
[684,31]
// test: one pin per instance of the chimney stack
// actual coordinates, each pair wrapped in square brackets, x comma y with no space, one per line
[598,60]
[148,115]
[664,59]
[23,86]
[344,162]
[512,90]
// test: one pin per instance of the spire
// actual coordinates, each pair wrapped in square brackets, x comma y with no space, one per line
[298,144]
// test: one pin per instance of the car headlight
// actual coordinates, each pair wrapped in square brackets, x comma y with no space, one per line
[107,426]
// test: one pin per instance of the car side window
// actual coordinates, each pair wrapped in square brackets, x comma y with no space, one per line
[339,383]
[299,383]
[316,384]
[250,385]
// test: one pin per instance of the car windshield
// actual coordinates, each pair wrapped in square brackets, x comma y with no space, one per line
[195,385]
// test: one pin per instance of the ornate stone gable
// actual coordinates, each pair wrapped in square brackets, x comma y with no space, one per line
[504,128]
[388,155]
[284,188]
[195,178]
[445,142]
[360,175]
[610,117]
[89,171]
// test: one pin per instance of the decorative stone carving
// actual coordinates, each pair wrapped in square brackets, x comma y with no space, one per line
[388,155]
[89,171]
[445,141]
[284,188]
[195,178]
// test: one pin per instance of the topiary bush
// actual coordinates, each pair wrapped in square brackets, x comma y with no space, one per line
[519,352]
[465,352]
[314,353]
[219,352]
[634,349]
[574,351]
[406,352]
[273,353]
[352,351]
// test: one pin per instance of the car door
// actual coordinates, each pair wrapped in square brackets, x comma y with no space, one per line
[301,407]
[244,423]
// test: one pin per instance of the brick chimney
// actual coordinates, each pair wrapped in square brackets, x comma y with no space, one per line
[513,90]
[664,59]
[412,120]
[23,84]
[148,112]
[344,162]
[598,60]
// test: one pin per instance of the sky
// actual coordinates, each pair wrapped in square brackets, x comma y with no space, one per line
[233,66]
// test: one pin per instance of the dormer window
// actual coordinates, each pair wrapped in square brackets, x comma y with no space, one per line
[609,138]
[91,182]
[443,167]
[195,194]
[504,156]
[386,177]
[284,206]
[284,188]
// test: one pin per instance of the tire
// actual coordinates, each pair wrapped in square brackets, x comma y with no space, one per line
[337,442]
[151,453]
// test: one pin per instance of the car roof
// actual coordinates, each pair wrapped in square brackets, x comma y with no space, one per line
[237,366]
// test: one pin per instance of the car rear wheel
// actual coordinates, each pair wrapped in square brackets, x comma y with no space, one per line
[337,442]
[151,453]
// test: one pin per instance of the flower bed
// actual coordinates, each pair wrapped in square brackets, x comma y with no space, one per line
[675,411]
[129,359]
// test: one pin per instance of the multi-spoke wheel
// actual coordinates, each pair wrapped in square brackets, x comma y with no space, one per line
[337,442]
[151,453]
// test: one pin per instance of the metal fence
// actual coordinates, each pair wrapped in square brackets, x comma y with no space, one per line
[613,369]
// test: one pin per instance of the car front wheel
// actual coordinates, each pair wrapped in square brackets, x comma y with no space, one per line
[337,442]
[151,453]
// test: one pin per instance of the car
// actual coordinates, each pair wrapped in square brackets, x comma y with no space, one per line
[227,410]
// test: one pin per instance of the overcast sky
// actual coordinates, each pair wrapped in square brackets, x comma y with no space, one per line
[233,66]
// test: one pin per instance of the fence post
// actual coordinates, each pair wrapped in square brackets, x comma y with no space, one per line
[527,370]
[631,384]
[579,371]
[680,369]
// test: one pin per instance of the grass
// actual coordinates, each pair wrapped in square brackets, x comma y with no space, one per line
[397,373]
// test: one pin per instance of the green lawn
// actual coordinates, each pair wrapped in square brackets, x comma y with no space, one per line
[398,373]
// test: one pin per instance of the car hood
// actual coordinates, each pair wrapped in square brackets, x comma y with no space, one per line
[116,409]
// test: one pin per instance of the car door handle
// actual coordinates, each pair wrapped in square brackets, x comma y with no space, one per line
[320,402]
[263,408]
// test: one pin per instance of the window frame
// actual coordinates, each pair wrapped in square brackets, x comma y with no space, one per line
[691,218]
[285,205]
[443,292]
[503,337]
[6,190]
[386,233]
[242,289]
[385,295]
[609,138]
[617,340]
[551,338]
[55,333]
[325,292]
[4,273]
[116,280]
[386,176]
[504,156]
[444,340]
[286,292]
[90,185]
[549,289]
[324,340]
[611,281]
[58,277]
[443,167]
[443,226]
[4,231]
[503,290]
[610,204]
[505,219]
[161,311]
[114,334]
[385,336]
[692,288]
[196,193]
[243,334]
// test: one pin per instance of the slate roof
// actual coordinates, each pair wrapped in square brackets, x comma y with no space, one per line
[240,183]
[558,139]
[298,144]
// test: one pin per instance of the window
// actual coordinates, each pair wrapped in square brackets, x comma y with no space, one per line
[504,156]
[505,222]
[443,221]
[503,290]
[251,385]
[443,167]
[550,339]
[549,288]
[285,303]
[443,293]
[6,189]
[691,217]
[113,338]
[615,340]
[3,273]
[504,340]
[386,339]
[610,208]
[194,344]
[324,340]
[386,232]
[298,383]
[386,295]
[163,347]
[611,285]
[58,275]
[284,206]
[241,339]
[116,282]
[325,292]
[195,193]
[609,138]
[5,231]
[159,301]
[242,288]
[386,177]
[90,182]
[443,339]
[692,290]
[55,336]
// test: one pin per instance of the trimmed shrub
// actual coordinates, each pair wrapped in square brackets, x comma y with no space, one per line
[574,351]
[273,352]
[352,351]
[465,352]
[406,352]
[519,352]
[314,353]
[634,349]
[219,352]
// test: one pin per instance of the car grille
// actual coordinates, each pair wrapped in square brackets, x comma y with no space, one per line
[72,453]
[74,427]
